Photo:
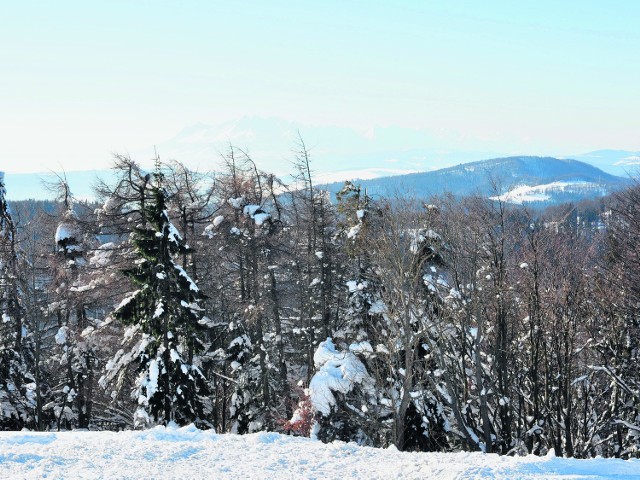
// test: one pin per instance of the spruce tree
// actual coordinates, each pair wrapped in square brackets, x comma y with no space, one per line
[165,311]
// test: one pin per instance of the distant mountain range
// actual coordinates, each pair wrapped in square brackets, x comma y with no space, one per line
[512,179]
[272,143]
[617,162]
[337,153]
[533,180]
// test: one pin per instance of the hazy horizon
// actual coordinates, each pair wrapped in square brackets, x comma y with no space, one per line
[81,80]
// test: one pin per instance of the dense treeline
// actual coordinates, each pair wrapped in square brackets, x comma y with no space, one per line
[239,303]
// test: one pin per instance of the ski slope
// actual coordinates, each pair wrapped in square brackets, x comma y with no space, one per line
[184,453]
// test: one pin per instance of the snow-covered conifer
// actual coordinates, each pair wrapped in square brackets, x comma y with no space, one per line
[344,395]
[164,316]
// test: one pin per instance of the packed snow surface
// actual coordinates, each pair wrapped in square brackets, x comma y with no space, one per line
[185,453]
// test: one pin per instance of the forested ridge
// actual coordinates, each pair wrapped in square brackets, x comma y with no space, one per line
[234,301]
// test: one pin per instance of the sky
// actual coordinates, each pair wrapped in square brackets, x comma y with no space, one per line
[80,80]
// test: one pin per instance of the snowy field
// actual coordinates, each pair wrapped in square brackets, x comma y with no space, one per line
[182,453]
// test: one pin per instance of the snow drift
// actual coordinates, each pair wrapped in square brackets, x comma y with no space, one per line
[187,452]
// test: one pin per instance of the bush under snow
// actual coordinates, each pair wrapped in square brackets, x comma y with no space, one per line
[335,372]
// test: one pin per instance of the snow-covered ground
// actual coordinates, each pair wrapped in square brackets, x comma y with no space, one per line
[187,452]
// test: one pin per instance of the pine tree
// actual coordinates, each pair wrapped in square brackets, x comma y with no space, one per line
[165,312]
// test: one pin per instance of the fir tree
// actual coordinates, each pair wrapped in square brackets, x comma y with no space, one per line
[165,311]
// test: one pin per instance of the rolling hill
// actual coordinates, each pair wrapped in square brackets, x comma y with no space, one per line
[513,179]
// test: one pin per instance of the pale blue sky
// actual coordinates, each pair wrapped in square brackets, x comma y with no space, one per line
[81,79]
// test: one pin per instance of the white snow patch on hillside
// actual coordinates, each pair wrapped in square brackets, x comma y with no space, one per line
[541,193]
[189,453]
